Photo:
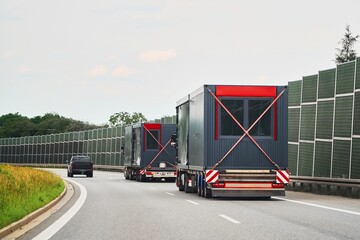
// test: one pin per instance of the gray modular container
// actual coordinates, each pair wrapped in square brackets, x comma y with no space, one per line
[206,132]
[143,152]
[215,158]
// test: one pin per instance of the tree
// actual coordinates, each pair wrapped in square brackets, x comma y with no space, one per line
[16,125]
[346,53]
[125,118]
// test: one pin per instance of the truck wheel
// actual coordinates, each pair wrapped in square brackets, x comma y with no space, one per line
[126,175]
[180,184]
[90,174]
[187,188]
[71,174]
[203,185]
[199,184]
[207,192]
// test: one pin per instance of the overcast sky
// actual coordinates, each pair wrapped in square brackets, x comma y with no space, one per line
[88,59]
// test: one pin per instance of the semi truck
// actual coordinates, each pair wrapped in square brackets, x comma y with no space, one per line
[148,154]
[232,141]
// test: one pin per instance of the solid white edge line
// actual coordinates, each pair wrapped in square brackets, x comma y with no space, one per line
[229,218]
[195,203]
[319,206]
[56,226]
[171,194]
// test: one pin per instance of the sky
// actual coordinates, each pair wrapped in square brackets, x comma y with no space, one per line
[88,59]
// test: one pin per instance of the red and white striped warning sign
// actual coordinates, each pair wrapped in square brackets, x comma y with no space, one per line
[142,171]
[212,176]
[282,176]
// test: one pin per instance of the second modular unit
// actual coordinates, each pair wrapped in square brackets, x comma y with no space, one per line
[148,153]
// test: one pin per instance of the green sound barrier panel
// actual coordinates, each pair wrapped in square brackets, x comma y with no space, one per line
[306,159]
[293,121]
[341,159]
[322,159]
[307,122]
[293,152]
[324,122]
[343,116]
[356,125]
[345,78]
[294,93]
[355,159]
[309,89]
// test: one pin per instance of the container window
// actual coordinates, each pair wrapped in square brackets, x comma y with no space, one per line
[228,125]
[263,126]
[150,141]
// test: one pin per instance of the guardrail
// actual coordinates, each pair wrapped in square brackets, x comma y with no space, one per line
[48,165]
[328,186]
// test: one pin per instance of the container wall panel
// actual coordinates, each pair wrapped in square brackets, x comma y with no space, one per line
[293,153]
[309,89]
[356,126]
[355,159]
[306,159]
[295,93]
[341,159]
[345,78]
[343,116]
[322,159]
[324,124]
[294,118]
[307,130]
[326,83]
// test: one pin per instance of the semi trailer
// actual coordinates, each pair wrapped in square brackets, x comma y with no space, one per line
[148,154]
[232,141]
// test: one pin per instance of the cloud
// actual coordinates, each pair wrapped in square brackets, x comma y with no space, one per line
[99,70]
[24,69]
[122,71]
[156,55]
[8,54]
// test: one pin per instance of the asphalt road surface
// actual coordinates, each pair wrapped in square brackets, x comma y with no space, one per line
[109,207]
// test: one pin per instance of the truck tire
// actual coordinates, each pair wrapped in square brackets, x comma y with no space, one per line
[90,174]
[202,185]
[207,192]
[180,184]
[199,184]
[187,188]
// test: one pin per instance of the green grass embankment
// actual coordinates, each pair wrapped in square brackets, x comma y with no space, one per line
[24,190]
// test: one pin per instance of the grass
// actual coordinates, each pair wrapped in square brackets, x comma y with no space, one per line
[24,190]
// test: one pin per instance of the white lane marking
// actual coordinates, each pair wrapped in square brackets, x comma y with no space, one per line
[229,218]
[152,188]
[56,226]
[195,203]
[319,206]
[171,194]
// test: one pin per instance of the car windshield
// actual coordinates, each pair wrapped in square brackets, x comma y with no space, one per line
[81,159]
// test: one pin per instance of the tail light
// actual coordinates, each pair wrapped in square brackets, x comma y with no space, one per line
[149,173]
[218,185]
[277,185]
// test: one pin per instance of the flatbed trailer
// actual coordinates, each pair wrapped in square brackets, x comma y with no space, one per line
[148,154]
[232,141]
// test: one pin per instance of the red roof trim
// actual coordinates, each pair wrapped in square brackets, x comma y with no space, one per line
[245,91]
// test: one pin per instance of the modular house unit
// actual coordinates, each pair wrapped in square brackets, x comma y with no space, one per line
[232,141]
[148,154]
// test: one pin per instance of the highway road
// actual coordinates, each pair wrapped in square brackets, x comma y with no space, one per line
[110,207]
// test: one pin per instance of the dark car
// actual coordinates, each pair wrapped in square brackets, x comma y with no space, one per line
[80,165]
